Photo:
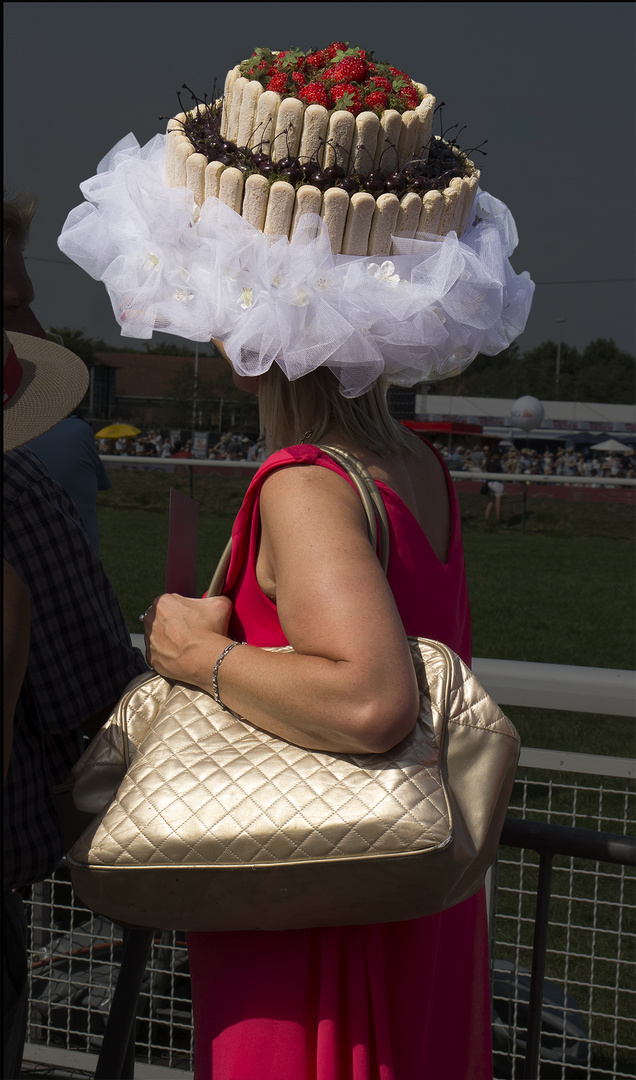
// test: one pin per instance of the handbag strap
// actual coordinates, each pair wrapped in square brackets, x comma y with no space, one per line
[372,503]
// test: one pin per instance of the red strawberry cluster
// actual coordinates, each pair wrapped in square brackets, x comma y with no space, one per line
[336,77]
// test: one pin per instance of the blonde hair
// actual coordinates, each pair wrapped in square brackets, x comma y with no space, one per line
[17,215]
[313,403]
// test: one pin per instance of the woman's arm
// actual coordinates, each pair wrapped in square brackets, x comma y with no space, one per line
[350,684]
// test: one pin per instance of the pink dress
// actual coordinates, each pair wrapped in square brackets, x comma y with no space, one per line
[392,1001]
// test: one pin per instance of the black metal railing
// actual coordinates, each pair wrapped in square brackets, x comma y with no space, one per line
[550,840]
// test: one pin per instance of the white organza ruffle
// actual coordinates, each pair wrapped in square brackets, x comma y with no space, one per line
[204,273]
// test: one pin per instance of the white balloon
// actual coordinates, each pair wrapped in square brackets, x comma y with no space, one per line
[527,413]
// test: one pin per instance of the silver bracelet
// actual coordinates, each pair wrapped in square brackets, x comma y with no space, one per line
[215,675]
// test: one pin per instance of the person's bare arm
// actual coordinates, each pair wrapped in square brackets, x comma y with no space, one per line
[350,685]
[17,632]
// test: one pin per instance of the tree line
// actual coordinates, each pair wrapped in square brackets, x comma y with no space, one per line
[601,372]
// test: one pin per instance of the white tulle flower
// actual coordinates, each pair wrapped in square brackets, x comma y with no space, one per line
[385,272]
[246,298]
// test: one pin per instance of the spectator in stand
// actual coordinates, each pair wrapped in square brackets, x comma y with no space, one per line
[548,463]
[455,460]
[478,457]
[165,449]
[181,451]
[525,461]
[256,452]
[68,449]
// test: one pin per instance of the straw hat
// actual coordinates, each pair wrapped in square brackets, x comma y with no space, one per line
[42,383]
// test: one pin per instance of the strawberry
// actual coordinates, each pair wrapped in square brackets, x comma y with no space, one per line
[376,100]
[299,78]
[351,69]
[278,83]
[315,93]
[410,97]
[378,82]
[317,60]
[336,47]
[348,96]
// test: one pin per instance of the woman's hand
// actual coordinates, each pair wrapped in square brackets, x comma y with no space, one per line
[184,637]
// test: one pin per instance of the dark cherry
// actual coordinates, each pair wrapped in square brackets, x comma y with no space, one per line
[373,183]
[225,159]
[350,184]
[396,183]
[294,174]
[335,172]
[309,168]
[319,180]
[420,185]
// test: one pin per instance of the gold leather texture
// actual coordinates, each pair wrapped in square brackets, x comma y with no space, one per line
[206,822]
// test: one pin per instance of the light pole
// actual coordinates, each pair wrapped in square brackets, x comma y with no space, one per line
[558,356]
[196,384]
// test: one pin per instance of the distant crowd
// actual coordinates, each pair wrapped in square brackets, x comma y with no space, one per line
[508,459]
[562,462]
[229,447]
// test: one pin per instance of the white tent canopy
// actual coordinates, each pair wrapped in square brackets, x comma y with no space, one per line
[611,444]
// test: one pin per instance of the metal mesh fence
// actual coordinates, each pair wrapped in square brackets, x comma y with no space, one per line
[588,1025]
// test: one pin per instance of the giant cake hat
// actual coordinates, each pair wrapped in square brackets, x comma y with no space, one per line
[259,217]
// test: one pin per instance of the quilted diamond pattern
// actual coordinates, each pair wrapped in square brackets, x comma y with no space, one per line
[198,788]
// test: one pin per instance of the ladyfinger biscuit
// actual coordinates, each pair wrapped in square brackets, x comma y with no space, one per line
[289,124]
[383,224]
[195,176]
[235,108]
[231,188]
[175,125]
[308,201]
[315,123]
[279,209]
[255,200]
[356,234]
[340,132]
[408,215]
[470,190]
[178,150]
[426,114]
[388,137]
[213,179]
[430,214]
[265,120]
[247,120]
[365,141]
[408,136]
[453,204]
[335,207]
[230,79]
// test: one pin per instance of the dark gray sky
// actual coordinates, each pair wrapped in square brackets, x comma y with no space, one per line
[550,85]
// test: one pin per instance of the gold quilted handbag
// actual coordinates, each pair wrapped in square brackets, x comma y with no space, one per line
[206,822]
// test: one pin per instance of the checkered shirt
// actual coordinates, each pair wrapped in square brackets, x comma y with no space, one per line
[80,658]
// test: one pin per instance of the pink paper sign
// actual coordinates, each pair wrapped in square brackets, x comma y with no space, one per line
[181,564]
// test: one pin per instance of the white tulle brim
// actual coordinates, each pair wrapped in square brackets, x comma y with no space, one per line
[203,273]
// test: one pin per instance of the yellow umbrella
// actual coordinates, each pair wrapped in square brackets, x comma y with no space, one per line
[117,431]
